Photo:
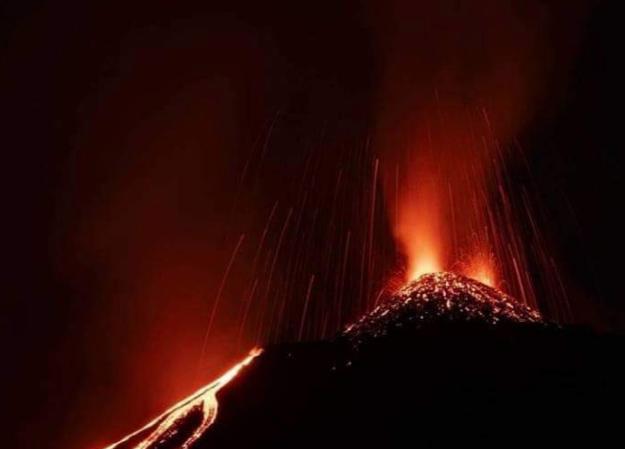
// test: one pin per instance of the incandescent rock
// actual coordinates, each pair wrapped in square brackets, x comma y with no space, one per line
[437,298]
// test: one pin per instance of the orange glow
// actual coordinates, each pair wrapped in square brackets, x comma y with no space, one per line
[424,262]
[482,268]
[205,399]
[419,229]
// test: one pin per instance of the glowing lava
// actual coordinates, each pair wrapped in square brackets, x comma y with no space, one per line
[481,268]
[441,297]
[419,229]
[425,262]
[166,427]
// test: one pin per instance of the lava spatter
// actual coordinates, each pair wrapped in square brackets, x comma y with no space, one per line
[437,297]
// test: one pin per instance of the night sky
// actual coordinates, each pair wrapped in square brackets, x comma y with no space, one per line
[141,139]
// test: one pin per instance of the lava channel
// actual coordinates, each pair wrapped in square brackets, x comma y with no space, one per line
[171,424]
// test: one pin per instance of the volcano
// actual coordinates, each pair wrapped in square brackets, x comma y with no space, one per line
[445,360]
[437,298]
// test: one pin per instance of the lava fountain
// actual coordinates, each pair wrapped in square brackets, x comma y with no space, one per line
[430,300]
[419,229]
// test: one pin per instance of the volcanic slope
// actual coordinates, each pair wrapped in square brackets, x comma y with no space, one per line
[446,360]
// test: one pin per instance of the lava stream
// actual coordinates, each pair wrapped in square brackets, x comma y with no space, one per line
[204,399]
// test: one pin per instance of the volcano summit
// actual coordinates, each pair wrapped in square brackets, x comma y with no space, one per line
[441,297]
[445,360]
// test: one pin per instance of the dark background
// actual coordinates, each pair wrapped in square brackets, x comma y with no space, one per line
[125,128]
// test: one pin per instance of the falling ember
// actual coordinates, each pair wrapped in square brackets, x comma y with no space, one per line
[447,216]
[165,427]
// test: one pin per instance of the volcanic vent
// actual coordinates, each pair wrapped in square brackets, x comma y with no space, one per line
[385,381]
[441,297]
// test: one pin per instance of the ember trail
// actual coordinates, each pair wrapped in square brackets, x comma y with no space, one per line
[342,281]
[444,354]
[423,302]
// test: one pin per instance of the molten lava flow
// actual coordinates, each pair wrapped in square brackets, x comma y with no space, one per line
[165,427]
